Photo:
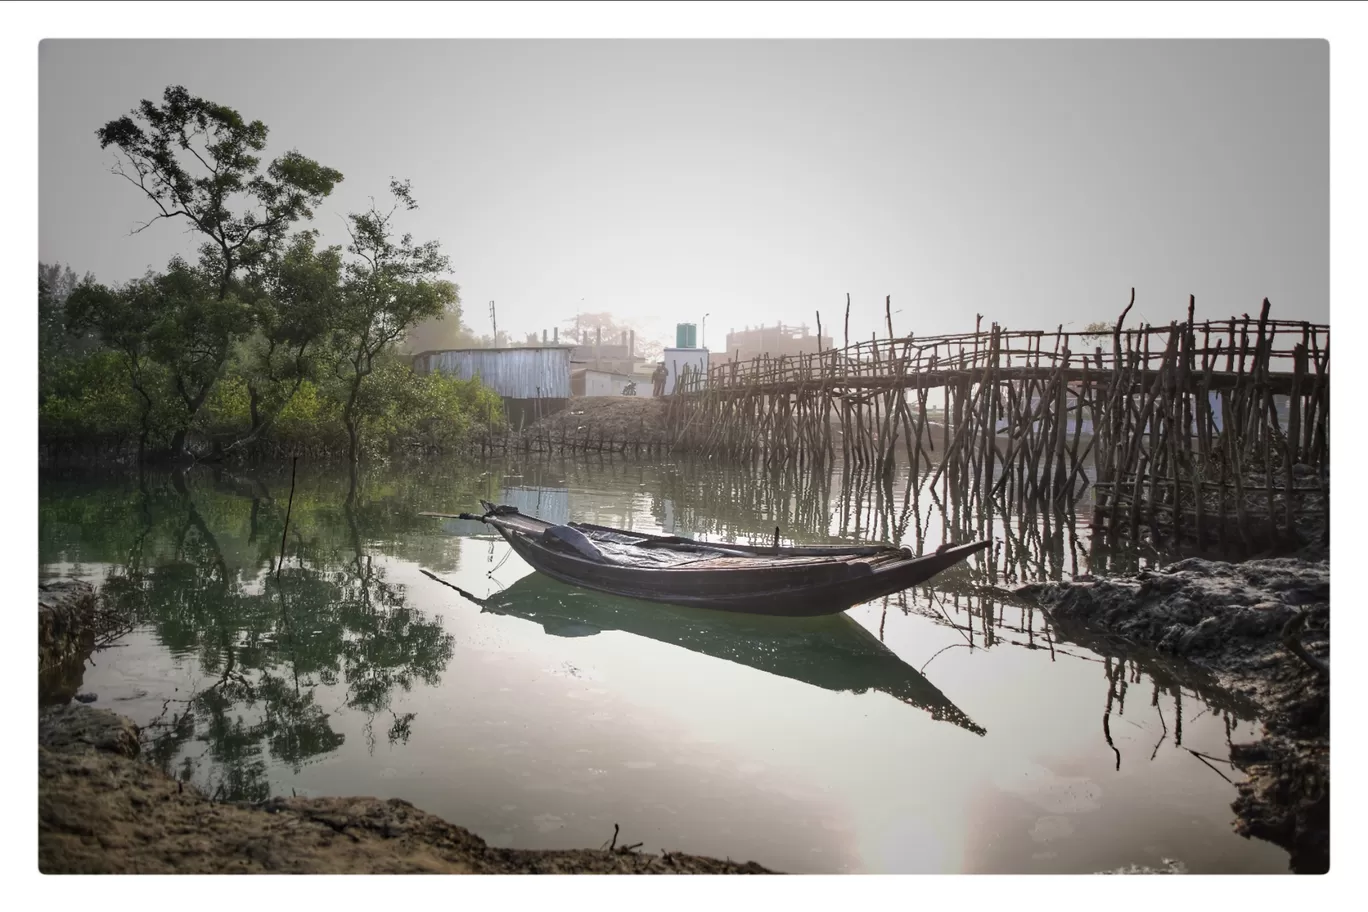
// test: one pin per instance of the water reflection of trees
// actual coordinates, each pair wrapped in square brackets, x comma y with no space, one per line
[195,563]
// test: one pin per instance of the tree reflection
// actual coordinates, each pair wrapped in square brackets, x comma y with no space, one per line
[195,564]
[390,645]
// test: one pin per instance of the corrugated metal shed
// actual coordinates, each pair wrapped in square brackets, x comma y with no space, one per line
[514,373]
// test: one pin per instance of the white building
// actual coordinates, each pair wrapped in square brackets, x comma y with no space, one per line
[677,358]
[590,382]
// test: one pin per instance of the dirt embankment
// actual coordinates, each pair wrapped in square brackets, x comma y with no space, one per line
[634,419]
[103,810]
[66,635]
[1263,629]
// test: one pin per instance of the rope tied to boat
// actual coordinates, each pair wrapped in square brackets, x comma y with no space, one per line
[500,510]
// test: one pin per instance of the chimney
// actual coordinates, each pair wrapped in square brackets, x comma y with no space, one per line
[555,334]
[543,337]
[598,336]
[631,345]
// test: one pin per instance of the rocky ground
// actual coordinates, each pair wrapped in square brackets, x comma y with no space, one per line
[1262,628]
[101,810]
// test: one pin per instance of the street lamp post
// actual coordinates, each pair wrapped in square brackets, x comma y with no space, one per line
[703,336]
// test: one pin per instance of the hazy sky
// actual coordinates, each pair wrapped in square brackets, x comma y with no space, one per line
[1032,181]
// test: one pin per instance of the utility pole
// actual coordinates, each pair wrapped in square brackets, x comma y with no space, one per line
[495,321]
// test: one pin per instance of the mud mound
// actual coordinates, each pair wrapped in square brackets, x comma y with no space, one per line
[66,611]
[1263,629]
[76,727]
[1225,615]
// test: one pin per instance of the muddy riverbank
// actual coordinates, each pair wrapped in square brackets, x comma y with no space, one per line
[66,635]
[1262,629]
[101,809]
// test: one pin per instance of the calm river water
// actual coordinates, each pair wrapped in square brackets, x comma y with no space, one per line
[937,731]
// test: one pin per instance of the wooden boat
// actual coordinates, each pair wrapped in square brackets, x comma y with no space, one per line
[793,581]
[832,652]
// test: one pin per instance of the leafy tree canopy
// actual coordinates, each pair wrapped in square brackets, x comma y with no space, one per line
[586,325]
[197,160]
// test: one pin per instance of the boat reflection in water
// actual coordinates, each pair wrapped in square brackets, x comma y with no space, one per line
[832,652]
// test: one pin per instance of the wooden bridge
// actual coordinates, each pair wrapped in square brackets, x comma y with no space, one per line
[1196,428]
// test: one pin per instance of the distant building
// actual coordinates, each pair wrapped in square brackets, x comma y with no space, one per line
[532,381]
[617,357]
[586,381]
[772,341]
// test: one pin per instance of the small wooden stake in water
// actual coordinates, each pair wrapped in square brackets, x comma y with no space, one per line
[294,463]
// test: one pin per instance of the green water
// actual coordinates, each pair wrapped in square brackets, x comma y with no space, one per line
[941,730]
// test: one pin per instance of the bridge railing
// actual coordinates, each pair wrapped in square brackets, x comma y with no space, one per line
[1230,346]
